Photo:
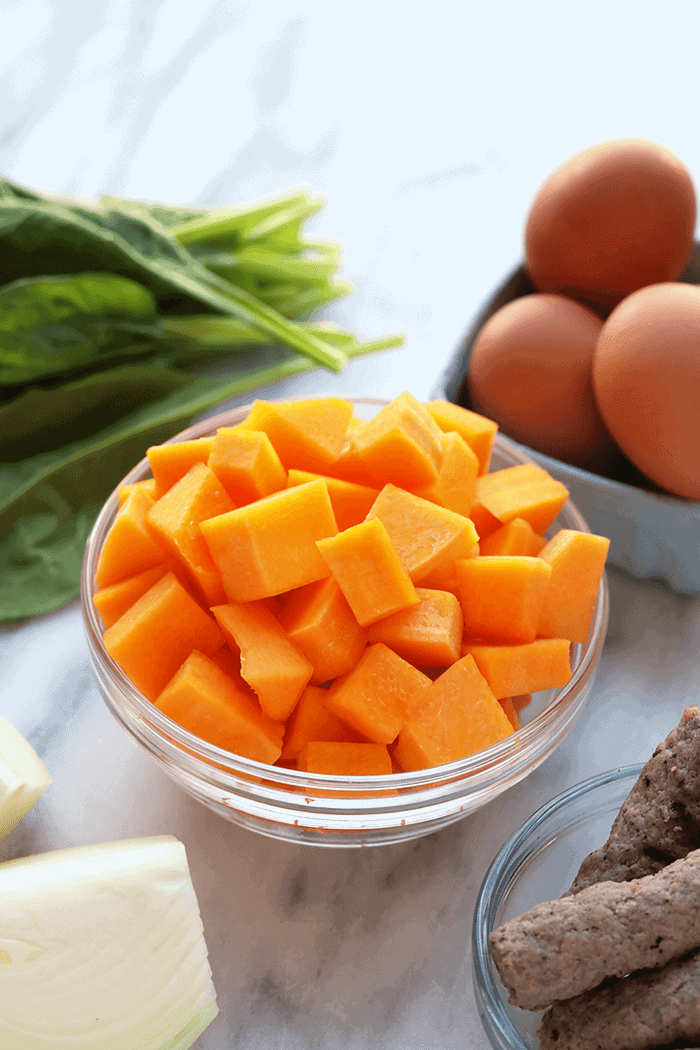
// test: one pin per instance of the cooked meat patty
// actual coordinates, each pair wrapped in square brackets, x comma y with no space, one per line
[660,819]
[565,947]
[649,1009]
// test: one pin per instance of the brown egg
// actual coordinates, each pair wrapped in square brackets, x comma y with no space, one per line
[610,220]
[646,376]
[530,370]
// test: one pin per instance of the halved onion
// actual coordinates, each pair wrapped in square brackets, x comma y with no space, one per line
[103,949]
[23,777]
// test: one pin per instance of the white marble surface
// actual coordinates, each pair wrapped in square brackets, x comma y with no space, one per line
[428,128]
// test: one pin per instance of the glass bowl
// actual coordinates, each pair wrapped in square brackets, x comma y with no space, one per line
[538,864]
[326,810]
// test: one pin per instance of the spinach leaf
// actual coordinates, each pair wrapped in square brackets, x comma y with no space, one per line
[166,214]
[44,418]
[36,301]
[124,282]
[275,222]
[49,500]
[60,324]
[76,346]
[48,237]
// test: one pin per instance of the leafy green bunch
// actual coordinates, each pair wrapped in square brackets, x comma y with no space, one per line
[113,317]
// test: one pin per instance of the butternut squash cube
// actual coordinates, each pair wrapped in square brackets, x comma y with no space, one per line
[348,466]
[114,599]
[170,462]
[377,696]
[369,571]
[517,537]
[455,485]
[502,597]
[345,760]
[427,635]
[271,664]
[425,535]
[526,491]
[129,547]
[148,485]
[457,716]
[477,431]
[320,622]
[204,700]
[312,720]
[308,435]
[512,670]
[577,560]
[351,502]
[175,520]
[269,547]
[401,444]
[157,634]
[246,464]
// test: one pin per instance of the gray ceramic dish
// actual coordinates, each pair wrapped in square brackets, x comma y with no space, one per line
[652,535]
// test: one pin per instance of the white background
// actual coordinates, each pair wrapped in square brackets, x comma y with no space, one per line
[428,127]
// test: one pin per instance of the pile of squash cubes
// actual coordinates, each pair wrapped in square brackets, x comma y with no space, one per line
[343,596]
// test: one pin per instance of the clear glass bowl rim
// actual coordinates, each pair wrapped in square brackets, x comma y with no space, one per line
[465,770]
[497,880]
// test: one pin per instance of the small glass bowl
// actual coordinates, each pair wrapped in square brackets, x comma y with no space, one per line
[538,864]
[326,810]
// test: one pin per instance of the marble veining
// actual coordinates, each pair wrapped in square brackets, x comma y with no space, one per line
[427,129]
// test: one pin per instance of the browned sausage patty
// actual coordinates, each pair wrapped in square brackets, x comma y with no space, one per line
[568,946]
[660,818]
[646,1010]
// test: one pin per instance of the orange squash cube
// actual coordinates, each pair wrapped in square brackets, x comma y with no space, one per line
[351,502]
[477,431]
[345,760]
[428,634]
[320,622]
[577,560]
[170,462]
[502,597]
[148,485]
[114,599]
[512,670]
[455,485]
[204,700]
[376,697]
[427,537]
[271,664]
[369,571]
[526,491]
[269,547]
[129,547]
[246,464]
[444,576]
[517,537]
[457,716]
[401,444]
[175,519]
[348,466]
[312,720]
[157,634]
[308,435]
